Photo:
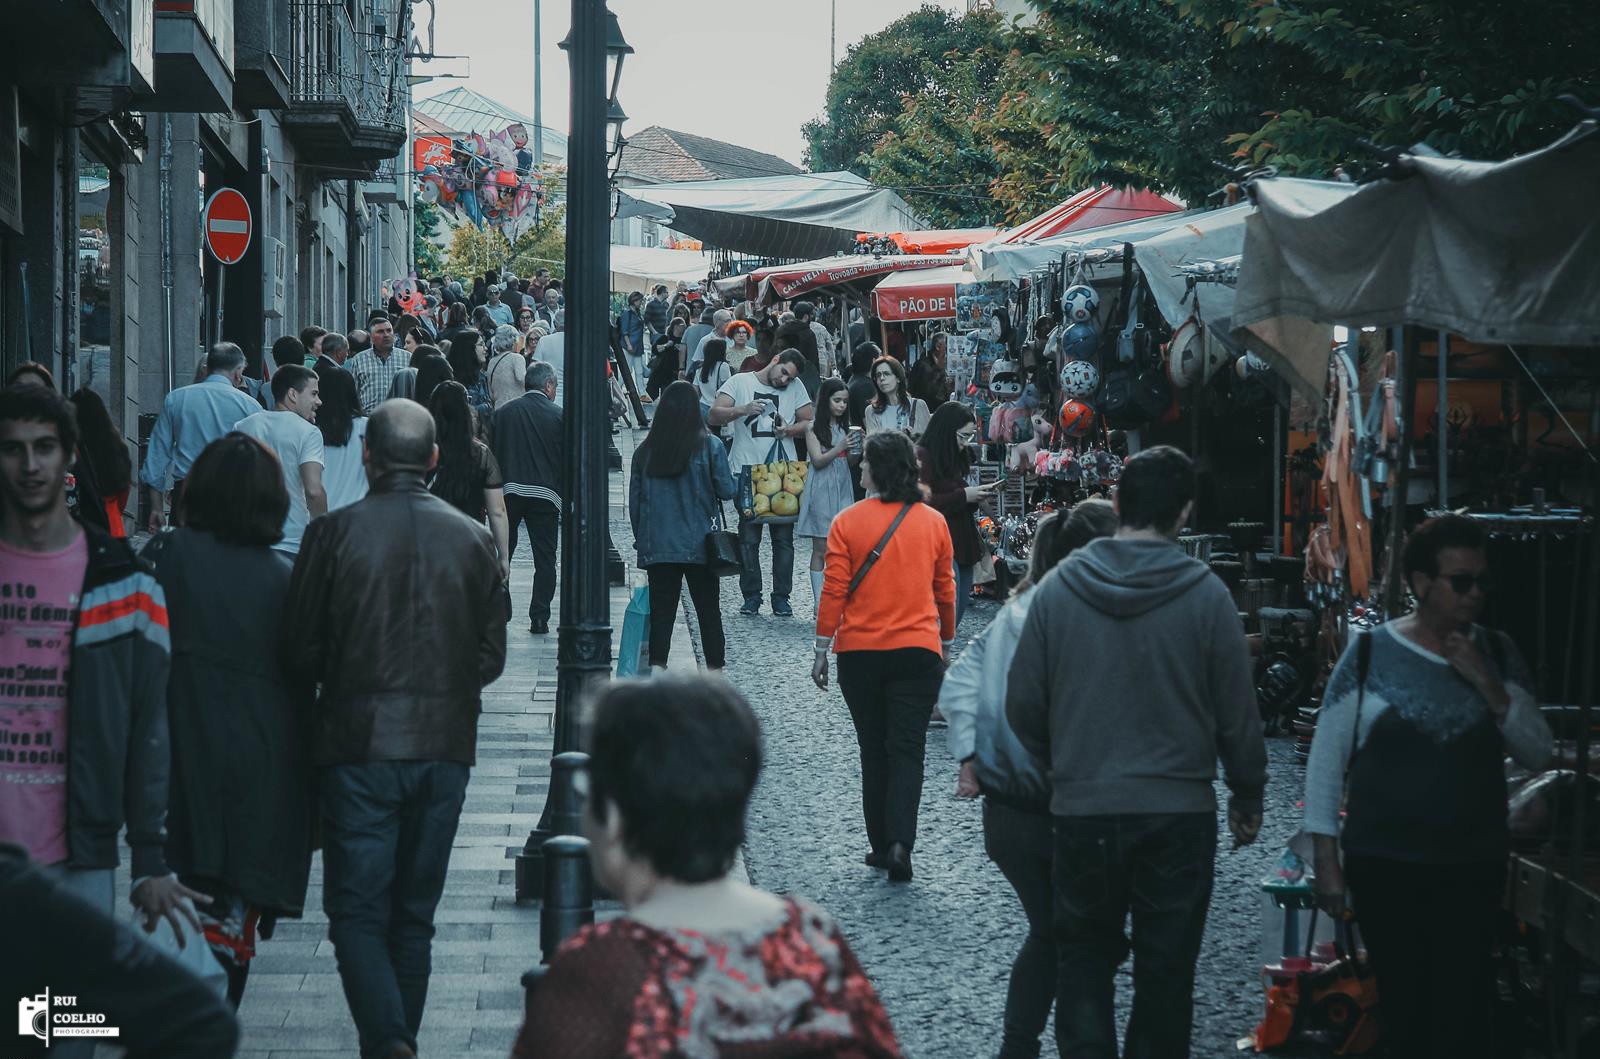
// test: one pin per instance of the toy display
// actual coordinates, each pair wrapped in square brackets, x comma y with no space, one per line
[1077,418]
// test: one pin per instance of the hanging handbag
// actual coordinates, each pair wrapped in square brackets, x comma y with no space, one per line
[723,555]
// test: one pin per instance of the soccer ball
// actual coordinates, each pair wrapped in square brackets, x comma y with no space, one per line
[1078,342]
[1077,418]
[1079,304]
[1079,378]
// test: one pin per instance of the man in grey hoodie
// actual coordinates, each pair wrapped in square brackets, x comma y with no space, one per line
[1132,676]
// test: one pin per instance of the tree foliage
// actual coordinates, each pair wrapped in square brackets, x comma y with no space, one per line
[474,250]
[868,90]
[430,258]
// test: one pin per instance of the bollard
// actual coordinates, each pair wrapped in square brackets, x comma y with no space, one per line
[568,894]
[563,815]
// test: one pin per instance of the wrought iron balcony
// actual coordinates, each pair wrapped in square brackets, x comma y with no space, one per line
[347,87]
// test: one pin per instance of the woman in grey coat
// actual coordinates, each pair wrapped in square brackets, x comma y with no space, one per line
[1014,784]
[240,796]
[680,478]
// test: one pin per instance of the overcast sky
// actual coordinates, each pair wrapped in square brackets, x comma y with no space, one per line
[749,72]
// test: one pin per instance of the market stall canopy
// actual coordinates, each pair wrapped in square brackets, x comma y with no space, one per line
[1012,261]
[638,268]
[1092,208]
[859,272]
[805,215]
[937,240]
[1501,252]
[931,294]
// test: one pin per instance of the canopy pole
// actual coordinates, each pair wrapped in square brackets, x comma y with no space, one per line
[1394,588]
[1442,418]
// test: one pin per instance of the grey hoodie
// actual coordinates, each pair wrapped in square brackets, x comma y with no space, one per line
[1131,677]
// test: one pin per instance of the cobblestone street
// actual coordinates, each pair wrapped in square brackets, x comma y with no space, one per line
[940,949]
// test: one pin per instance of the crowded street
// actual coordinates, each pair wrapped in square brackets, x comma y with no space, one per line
[1069,528]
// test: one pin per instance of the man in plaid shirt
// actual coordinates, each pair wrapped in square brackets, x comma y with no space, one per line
[375,368]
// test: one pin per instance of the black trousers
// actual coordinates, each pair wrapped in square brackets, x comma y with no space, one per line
[1021,845]
[891,695]
[1429,931]
[544,534]
[1159,867]
[666,586]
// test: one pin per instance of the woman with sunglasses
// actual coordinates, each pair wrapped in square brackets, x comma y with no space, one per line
[945,457]
[1415,724]
[892,406]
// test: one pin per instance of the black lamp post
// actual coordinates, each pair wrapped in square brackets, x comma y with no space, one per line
[583,644]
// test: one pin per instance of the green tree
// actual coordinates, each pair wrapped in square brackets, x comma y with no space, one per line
[868,89]
[542,246]
[474,250]
[429,256]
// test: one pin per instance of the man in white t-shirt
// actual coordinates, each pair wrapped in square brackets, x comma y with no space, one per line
[552,349]
[767,410]
[288,432]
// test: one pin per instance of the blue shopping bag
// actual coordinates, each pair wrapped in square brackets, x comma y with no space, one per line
[633,655]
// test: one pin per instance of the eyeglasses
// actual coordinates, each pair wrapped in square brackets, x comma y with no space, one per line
[966,437]
[1461,584]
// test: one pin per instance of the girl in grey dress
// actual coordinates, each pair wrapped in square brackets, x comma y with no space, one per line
[828,488]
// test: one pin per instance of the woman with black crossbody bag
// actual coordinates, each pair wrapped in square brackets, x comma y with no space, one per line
[888,611]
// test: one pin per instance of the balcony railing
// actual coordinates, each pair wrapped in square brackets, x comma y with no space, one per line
[335,66]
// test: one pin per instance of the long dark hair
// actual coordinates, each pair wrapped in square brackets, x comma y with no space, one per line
[432,370]
[677,432]
[947,457]
[822,422]
[716,353]
[99,444]
[901,394]
[463,358]
[893,460]
[340,406]
[454,481]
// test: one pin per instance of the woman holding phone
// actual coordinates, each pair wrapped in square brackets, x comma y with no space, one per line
[829,489]
[945,457]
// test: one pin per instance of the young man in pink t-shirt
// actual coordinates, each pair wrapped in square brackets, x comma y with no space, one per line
[84,654]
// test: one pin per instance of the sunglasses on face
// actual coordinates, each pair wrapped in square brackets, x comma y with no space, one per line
[1461,584]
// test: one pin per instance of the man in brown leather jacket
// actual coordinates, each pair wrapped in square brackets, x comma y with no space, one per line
[395,610]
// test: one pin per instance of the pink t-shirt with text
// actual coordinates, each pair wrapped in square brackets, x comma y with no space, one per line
[38,608]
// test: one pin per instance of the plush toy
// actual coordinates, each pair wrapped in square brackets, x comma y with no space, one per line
[1023,455]
[1015,401]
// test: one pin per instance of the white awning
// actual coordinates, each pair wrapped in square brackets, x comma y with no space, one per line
[638,268]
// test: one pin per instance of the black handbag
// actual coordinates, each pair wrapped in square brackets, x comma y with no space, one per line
[723,555]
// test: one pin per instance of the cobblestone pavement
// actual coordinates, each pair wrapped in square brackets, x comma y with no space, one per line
[940,949]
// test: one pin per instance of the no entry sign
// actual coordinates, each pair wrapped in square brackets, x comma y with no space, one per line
[227,226]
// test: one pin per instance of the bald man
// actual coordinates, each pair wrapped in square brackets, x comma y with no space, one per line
[402,636]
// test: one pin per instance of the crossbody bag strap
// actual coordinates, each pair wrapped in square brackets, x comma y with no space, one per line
[877,552]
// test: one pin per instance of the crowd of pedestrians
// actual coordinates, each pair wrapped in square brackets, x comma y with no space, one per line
[311,529]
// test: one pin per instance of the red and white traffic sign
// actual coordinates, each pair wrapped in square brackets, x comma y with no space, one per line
[227,225]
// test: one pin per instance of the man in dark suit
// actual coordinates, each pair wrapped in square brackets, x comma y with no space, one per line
[529,445]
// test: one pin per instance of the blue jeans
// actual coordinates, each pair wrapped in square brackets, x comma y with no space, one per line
[963,591]
[1159,866]
[388,828]
[782,558]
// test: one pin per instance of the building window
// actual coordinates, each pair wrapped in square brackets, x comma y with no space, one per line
[94,276]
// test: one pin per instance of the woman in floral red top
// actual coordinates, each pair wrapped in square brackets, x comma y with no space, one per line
[703,966]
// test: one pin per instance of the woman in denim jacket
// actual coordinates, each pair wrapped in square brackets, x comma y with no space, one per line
[680,478]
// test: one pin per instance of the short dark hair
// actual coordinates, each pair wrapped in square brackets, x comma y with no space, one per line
[289,350]
[792,357]
[862,356]
[224,356]
[803,309]
[1155,486]
[893,458]
[290,377]
[1421,555]
[678,756]
[40,404]
[235,492]
[310,333]
[19,374]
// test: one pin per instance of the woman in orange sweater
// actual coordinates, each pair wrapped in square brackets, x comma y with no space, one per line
[888,611]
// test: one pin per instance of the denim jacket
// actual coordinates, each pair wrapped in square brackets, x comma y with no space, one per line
[671,516]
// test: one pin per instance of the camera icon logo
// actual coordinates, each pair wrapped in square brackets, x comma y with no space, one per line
[33,1017]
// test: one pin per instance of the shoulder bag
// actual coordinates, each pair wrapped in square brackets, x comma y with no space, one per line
[877,551]
[722,547]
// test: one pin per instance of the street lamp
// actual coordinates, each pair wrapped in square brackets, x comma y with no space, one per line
[583,643]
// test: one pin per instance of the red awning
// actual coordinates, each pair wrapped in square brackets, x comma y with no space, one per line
[1093,208]
[781,283]
[935,241]
[929,295]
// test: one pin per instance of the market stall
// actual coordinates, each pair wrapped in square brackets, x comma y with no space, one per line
[640,268]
